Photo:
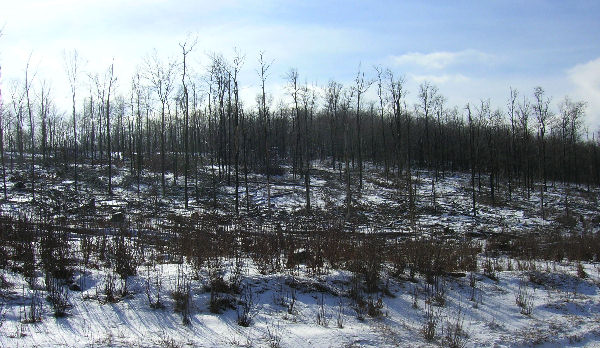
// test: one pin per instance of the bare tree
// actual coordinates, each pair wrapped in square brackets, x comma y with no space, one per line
[571,114]
[2,125]
[44,111]
[111,81]
[186,48]
[17,96]
[382,98]
[346,100]
[524,113]
[333,101]
[238,61]
[302,129]
[362,85]
[71,66]
[397,92]
[494,129]
[309,99]
[137,94]
[264,114]
[541,109]
[218,85]
[512,114]
[472,155]
[28,82]
[161,76]
[396,95]
[292,78]
[2,136]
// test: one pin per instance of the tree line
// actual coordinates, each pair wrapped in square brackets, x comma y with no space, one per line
[167,120]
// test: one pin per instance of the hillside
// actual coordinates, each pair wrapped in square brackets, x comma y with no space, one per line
[137,269]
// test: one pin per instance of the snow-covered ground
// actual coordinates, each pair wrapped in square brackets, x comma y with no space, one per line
[558,307]
[381,205]
[564,312]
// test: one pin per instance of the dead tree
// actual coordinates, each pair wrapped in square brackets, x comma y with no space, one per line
[44,111]
[333,100]
[111,80]
[309,98]
[238,61]
[541,108]
[512,114]
[347,99]
[2,125]
[264,114]
[524,113]
[71,66]
[382,98]
[294,89]
[571,114]
[161,77]
[28,82]
[186,48]
[472,156]
[17,96]
[361,87]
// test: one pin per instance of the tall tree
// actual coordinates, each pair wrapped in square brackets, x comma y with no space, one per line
[111,80]
[2,125]
[137,93]
[382,98]
[17,95]
[333,100]
[347,99]
[309,98]
[361,87]
[44,111]
[292,78]
[264,114]
[396,92]
[571,114]
[472,156]
[161,76]
[186,48]
[541,109]
[238,61]
[71,66]
[2,135]
[28,82]
[428,98]
[524,113]
[512,114]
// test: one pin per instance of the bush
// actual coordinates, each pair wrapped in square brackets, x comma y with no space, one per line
[124,262]
[524,300]
[182,296]
[374,307]
[581,271]
[246,306]
[455,336]
[58,296]
[430,324]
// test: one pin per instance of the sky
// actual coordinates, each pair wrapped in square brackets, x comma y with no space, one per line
[471,50]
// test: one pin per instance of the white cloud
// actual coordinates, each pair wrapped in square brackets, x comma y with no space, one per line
[586,78]
[441,60]
[440,79]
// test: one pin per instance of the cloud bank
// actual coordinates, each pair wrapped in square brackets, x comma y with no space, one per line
[442,60]
[586,79]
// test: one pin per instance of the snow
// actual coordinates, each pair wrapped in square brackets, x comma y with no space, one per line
[565,313]
[565,309]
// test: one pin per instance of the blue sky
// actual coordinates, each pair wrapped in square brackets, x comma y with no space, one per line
[471,50]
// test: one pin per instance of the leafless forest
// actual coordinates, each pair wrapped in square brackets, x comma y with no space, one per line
[174,168]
